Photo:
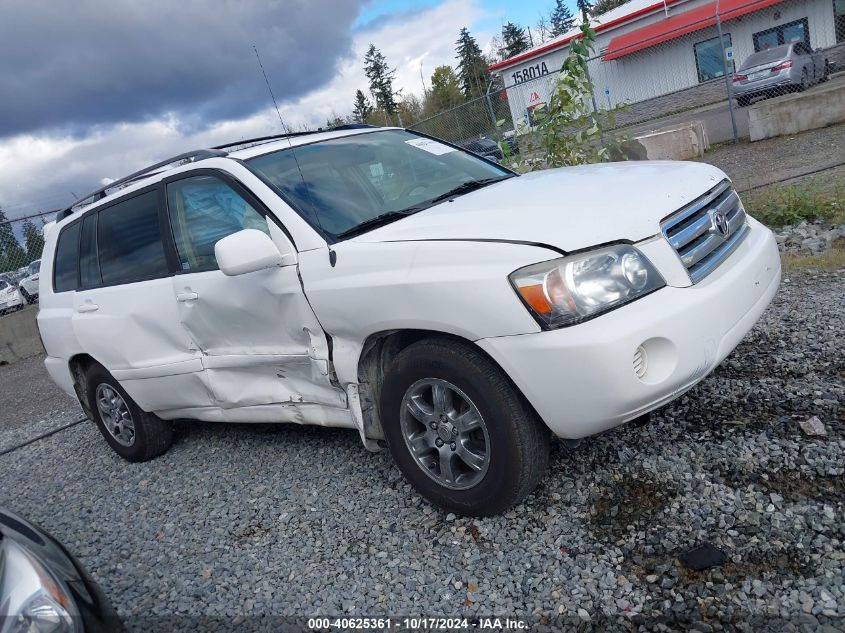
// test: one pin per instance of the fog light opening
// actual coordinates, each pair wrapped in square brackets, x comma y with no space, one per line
[640,362]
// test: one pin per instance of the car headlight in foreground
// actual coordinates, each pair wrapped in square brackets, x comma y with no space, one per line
[572,289]
[32,600]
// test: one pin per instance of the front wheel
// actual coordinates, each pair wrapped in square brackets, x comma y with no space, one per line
[134,434]
[458,429]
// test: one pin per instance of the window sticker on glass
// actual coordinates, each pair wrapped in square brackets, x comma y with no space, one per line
[430,146]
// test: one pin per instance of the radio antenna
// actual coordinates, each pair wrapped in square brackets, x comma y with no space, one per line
[269,89]
[332,254]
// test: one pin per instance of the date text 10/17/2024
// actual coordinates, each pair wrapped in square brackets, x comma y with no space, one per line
[418,624]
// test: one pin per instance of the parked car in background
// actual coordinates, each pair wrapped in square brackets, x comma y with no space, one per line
[10,297]
[384,281]
[484,147]
[29,284]
[772,72]
[44,588]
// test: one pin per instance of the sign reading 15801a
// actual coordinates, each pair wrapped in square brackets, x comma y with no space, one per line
[532,72]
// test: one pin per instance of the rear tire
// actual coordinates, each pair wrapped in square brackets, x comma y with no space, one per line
[492,463]
[826,74]
[805,81]
[134,434]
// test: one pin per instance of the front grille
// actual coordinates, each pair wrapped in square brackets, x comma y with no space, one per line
[705,232]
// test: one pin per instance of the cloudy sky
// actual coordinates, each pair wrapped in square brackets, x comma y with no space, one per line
[95,89]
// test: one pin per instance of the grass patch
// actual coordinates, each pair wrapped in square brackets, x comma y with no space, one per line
[833,259]
[784,205]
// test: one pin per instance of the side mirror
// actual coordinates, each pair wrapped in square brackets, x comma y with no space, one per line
[248,251]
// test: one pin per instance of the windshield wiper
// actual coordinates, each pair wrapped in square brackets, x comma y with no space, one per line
[391,216]
[379,220]
[470,185]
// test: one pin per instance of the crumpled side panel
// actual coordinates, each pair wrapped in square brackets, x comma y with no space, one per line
[243,381]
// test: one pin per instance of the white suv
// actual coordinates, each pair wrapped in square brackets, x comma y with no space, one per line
[387,282]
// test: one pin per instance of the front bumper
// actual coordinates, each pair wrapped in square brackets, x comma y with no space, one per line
[581,380]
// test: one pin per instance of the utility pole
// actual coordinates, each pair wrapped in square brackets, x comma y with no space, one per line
[728,74]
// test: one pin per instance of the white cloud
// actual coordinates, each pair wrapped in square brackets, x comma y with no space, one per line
[40,172]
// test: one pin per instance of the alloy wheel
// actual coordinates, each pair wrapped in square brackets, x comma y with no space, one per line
[445,433]
[115,414]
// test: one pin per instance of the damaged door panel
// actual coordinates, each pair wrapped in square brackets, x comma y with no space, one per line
[261,343]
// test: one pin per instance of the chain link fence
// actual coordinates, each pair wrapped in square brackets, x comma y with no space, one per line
[708,63]
[21,243]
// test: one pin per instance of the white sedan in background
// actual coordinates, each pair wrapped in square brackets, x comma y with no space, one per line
[29,284]
[10,298]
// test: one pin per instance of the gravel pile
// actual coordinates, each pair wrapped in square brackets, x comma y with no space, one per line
[810,238]
[242,520]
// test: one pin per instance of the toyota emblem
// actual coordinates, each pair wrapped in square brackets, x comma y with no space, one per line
[720,223]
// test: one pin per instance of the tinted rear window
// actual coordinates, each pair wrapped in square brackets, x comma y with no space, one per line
[129,241]
[766,57]
[67,259]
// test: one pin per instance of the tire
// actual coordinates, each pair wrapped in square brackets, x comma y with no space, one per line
[515,441]
[743,102]
[826,75]
[805,81]
[26,296]
[151,436]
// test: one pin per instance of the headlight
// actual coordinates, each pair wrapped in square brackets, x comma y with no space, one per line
[578,287]
[31,599]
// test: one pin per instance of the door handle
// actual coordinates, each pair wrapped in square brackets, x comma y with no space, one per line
[88,307]
[186,296]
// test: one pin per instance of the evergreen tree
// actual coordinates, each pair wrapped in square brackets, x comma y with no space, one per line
[603,6]
[472,67]
[445,89]
[585,7]
[381,80]
[33,239]
[561,19]
[515,40]
[12,255]
[362,108]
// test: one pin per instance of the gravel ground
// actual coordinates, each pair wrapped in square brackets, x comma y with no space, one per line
[244,520]
[28,395]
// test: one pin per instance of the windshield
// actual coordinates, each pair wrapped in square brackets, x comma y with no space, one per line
[766,57]
[353,180]
[34,266]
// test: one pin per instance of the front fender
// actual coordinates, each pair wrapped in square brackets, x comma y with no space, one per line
[453,287]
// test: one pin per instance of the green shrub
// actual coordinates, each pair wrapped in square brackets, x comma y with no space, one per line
[784,205]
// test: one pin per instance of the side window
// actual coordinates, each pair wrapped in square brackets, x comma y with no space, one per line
[66,267]
[204,210]
[89,267]
[129,241]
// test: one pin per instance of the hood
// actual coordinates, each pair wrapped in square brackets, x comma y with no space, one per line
[569,208]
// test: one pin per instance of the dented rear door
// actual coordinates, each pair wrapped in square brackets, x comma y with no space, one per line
[260,342]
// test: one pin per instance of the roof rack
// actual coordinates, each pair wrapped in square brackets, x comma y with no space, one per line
[99,194]
[250,142]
